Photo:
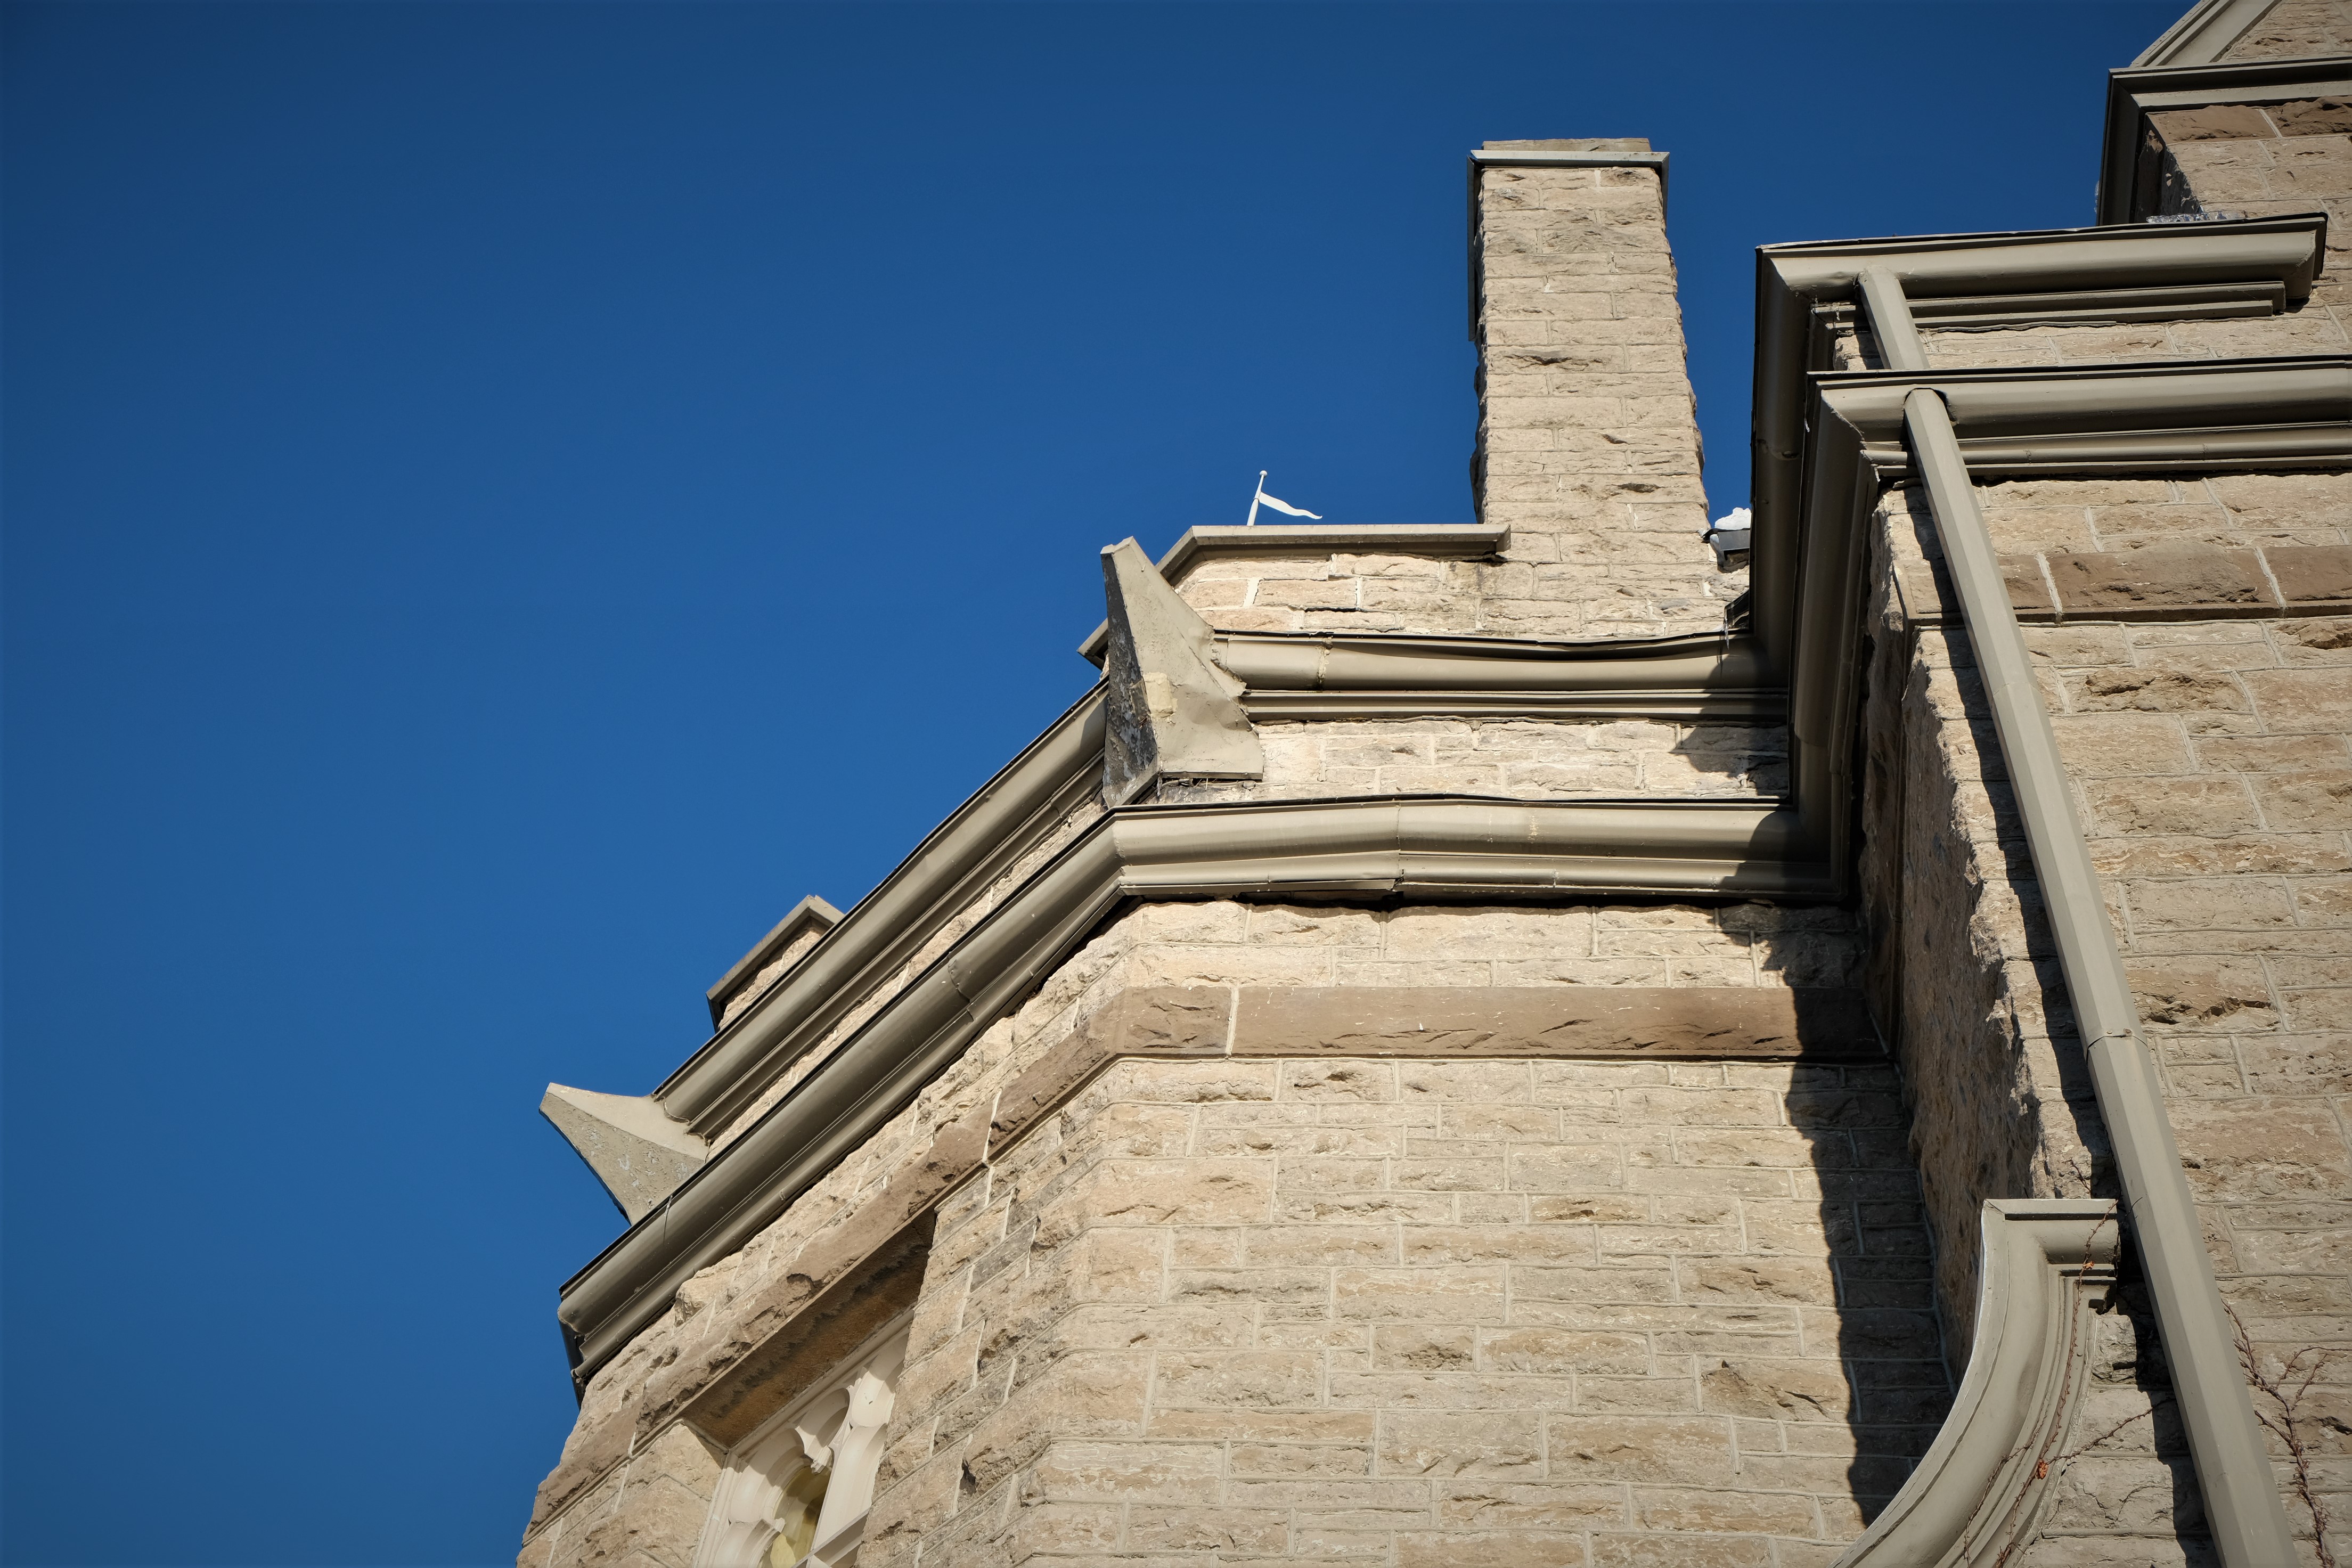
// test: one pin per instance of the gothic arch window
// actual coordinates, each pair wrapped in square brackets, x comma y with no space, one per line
[796,1491]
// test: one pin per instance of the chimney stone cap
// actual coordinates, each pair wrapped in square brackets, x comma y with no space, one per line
[1571,144]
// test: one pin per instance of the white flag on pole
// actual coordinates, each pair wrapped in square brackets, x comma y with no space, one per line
[1262,498]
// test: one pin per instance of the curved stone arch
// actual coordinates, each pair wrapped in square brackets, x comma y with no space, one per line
[1979,1491]
[818,1457]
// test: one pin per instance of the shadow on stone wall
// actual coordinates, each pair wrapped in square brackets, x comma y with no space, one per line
[1883,1325]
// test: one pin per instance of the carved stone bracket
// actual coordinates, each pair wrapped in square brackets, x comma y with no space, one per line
[1172,710]
[1980,1492]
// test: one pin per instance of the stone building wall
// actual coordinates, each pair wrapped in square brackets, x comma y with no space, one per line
[1798,1169]
[1525,759]
[1340,592]
[2297,27]
[2209,763]
[1424,1312]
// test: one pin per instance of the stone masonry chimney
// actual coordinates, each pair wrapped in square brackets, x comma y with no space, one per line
[1588,440]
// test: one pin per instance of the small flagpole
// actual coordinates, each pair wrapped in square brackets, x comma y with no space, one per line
[1259,491]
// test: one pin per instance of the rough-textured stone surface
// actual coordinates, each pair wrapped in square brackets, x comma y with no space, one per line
[1588,443]
[1410,1309]
[1523,758]
[2296,27]
[646,1512]
[2213,780]
[1146,967]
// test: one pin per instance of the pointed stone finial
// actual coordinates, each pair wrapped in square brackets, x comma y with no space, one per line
[635,1149]
[1172,712]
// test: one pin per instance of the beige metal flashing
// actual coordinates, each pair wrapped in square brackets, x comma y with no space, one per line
[2131,155]
[811,915]
[1291,541]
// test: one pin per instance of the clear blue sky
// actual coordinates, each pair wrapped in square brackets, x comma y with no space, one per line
[503,499]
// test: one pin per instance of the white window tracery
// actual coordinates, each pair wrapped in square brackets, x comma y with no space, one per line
[796,1491]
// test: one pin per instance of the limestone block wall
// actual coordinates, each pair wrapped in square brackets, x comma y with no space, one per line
[1963,974]
[1422,1312]
[2212,774]
[1588,440]
[2264,160]
[1527,759]
[2314,326]
[2294,28]
[623,1461]
[646,1511]
[1335,593]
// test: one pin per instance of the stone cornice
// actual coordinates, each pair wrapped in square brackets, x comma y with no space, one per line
[1287,675]
[1429,847]
[2129,155]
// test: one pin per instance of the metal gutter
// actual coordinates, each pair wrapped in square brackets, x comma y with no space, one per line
[2242,1501]
[1790,279]
[1446,847]
[2130,173]
[1719,677]
[1010,814]
[2082,308]
[2103,400]
[1287,676]
[1450,848]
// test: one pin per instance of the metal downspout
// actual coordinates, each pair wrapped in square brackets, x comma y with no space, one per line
[2233,1469]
